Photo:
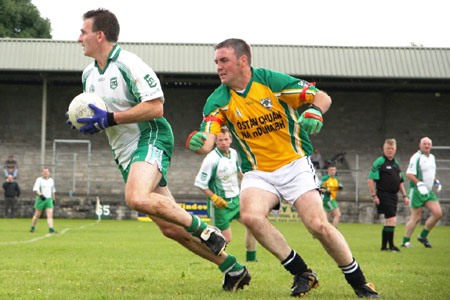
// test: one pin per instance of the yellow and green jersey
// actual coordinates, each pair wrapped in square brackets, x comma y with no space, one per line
[262,119]
[331,184]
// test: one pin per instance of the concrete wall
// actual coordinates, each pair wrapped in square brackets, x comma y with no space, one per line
[357,124]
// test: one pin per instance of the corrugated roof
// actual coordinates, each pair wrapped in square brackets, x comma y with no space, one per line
[325,61]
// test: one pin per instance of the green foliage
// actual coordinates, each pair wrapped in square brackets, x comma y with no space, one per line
[132,260]
[21,19]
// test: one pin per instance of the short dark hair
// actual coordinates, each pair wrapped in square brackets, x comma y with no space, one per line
[239,46]
[106,21]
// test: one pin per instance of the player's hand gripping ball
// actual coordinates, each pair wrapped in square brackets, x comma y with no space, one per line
[79,108]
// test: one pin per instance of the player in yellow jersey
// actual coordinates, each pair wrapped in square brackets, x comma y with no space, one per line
[330,185]
[259,107]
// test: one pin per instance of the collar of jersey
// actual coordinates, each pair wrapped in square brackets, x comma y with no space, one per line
[247,89]
[221,154]
[112,56]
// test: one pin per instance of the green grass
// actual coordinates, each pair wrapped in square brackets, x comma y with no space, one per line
[132,260]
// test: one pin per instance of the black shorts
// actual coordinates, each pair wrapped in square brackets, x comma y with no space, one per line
[388,204]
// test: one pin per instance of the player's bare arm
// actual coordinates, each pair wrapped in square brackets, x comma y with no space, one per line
[412,177]
[144,111]
[208,145]
[322,101]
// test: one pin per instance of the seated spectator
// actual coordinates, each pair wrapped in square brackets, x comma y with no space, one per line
[316,159]
[11,167]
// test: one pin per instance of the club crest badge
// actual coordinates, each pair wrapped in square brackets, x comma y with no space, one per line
[113,83]
[267,103]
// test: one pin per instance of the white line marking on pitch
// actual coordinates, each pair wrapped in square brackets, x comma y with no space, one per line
[46,236]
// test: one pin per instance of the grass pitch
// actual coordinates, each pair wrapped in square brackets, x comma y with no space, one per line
[132,260]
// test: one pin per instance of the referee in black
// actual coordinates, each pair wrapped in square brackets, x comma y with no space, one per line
[389,179]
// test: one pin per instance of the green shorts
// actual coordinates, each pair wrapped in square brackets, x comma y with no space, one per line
[43,204]
[151,155]
[418,200]
[221,218]
[329,205]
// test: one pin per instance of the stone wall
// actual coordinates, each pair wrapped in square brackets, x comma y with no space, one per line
[357,123]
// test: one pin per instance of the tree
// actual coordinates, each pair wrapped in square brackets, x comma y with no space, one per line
[21,19]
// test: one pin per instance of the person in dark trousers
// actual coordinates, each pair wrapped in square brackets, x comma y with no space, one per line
[12,192]
[388,178]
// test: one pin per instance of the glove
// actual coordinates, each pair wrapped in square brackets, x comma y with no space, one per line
[219,202]
[311,120]
[423,190]
[42,197]
[195,140]
[99,121]
[68,121]
[438,185]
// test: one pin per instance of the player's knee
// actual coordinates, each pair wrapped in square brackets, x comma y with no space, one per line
[251,220]
[438,214]
[317,226]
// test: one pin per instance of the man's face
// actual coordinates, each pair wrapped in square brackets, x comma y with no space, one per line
[88,38]
[331,171]
[425,145]
[10,178]
[389,151]
[228,66]
[45,173]
[223,141]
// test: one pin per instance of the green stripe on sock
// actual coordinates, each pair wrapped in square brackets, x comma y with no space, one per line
[230,264]
[406,239]
[197,226]
[389,228]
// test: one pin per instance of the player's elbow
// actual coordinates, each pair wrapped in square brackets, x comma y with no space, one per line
[158,112]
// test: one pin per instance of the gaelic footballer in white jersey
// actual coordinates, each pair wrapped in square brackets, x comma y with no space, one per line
[125,82]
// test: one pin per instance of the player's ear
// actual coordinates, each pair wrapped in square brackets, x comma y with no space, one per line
[101,36]
[243,59]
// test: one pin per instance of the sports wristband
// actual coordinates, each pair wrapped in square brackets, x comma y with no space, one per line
[374,195]
[316,108]
[110,118]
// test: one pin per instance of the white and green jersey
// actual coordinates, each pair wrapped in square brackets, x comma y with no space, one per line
[125,82]
[423,167]
[45,186]
[219,173]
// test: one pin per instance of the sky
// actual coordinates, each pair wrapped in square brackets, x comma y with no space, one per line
[281,22]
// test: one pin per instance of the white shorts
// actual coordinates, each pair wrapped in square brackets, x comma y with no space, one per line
[288,182]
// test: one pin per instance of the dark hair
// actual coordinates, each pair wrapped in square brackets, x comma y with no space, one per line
[239,46]
[105,21]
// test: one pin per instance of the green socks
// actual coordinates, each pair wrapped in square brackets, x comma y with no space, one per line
[196,227]
[231,266]
[424,233]
[251,255]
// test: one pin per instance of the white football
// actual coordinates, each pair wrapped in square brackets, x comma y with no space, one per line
[79,107]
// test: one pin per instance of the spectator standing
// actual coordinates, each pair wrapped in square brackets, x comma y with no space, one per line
[10,167]
[12,192]
[316,159]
